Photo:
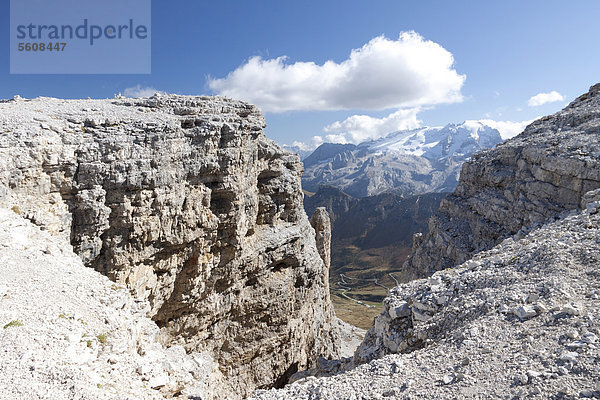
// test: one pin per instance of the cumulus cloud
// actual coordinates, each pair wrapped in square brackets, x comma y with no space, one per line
[316,141]
[139,91]
[543,98]
[507,129]
[382,74]
[359,128]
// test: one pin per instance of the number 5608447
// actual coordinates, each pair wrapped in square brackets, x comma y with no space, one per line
[26,46]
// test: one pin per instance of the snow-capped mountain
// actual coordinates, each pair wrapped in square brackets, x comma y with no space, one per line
[438,142]
[409,162]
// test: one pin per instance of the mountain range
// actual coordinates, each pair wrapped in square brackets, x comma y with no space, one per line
[406,162]
[157,249]
[375,231]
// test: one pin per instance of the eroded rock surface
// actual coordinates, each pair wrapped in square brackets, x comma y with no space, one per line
[185,201]
[322,226]
[524,181]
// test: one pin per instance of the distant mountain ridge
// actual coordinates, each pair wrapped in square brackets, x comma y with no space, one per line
[333,199]
[406,162]
[325,152]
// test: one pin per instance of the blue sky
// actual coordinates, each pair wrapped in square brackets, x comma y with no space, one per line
[503,54]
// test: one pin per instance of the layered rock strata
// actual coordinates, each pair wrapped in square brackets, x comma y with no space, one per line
[322,226]
[509,189]
[185,201]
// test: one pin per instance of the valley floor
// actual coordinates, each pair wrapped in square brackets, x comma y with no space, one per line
[361,279]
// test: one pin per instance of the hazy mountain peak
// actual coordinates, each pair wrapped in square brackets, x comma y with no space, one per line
[435,142]
[413,161]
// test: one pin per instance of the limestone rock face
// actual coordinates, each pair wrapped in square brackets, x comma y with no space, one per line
[68,332]
[322,226]
[185,201]
[509,189]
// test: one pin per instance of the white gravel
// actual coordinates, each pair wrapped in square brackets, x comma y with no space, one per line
[67,332]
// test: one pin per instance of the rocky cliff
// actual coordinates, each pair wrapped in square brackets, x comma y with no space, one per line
[520,183]
[188,204]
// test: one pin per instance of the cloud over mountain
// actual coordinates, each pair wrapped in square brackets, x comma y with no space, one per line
[358,128]
[507,129]
[382,74]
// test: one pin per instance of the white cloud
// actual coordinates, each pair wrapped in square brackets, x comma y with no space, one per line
[139,91]
[543,98]
[382,74]
[507,129]
[317,141]
[359,128]
[301,146]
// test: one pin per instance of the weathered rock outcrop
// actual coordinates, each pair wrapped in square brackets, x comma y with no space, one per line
[185,201]
[322,226]
[520,183]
